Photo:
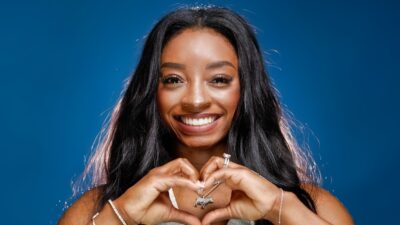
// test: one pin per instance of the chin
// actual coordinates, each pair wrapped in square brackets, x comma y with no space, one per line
[200,143]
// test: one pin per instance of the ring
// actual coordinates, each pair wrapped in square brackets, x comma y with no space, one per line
[226,159]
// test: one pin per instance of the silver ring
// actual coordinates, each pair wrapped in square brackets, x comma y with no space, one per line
[226,159]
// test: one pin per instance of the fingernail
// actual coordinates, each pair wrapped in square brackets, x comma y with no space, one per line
[202,184]
[200,191]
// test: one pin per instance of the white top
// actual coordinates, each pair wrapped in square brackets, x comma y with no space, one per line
[172,198]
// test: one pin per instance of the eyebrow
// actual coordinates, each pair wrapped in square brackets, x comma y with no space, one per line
[214,65]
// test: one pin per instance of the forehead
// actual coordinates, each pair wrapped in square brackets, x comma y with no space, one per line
[199,45]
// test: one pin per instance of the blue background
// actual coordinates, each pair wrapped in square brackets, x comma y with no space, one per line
[63,65]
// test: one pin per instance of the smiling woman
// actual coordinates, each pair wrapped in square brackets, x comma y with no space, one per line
[200,92]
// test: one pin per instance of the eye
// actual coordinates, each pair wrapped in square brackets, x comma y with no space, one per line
[221,80]
[171,80]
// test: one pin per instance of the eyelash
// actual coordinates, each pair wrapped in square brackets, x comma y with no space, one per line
[225,80]
[170,80]
[173,80]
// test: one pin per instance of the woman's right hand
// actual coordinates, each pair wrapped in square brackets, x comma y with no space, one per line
[147,201]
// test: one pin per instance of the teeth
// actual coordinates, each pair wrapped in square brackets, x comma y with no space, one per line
[198,122]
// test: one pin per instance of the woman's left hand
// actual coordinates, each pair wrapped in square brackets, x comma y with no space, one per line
[253,196]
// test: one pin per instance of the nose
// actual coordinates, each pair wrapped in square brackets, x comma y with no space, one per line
[196,98]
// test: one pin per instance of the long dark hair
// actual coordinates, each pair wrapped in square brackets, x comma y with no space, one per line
[137,140]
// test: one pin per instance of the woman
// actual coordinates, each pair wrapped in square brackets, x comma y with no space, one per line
[200,92]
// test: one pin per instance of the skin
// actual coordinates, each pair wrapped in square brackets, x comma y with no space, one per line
[244,194]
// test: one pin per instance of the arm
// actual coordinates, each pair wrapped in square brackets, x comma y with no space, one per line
[82,211]
[329,209]
[254,198]
[145,202]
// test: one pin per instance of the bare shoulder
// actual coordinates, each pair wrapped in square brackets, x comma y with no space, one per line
[328,206]
[82,210]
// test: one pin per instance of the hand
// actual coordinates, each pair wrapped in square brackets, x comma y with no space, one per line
[147,202]
[253,197]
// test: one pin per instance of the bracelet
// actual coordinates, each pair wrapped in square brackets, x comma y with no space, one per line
[95,215]
[117,212]
[280,207]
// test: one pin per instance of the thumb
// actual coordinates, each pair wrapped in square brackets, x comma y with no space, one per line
[217,216]
[177,215]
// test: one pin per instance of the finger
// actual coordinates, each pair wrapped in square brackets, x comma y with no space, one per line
[147,191]
[162,184]
[183,217]
[176,215]
[213,164]
[178,166]
[240,179]
[217,215]
[210,165]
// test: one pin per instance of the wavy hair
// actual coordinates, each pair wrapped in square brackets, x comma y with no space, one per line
[136,140]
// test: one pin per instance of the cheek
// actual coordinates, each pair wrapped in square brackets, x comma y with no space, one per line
[166,100]
[161,103]
[229,100]
[232,105]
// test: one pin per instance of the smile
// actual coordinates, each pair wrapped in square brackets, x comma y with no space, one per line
[197,121]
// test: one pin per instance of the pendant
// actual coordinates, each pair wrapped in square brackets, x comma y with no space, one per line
[203,201]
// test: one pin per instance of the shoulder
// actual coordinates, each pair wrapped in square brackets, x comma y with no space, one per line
[328,206]
[82,210]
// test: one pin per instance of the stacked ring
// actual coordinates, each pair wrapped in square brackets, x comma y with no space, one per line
[226,159]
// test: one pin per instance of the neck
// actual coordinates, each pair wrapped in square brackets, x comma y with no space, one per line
[199,156]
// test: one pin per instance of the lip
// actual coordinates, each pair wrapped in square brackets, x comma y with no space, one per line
[195,130]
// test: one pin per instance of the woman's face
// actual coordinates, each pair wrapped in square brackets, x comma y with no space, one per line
[199,88]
